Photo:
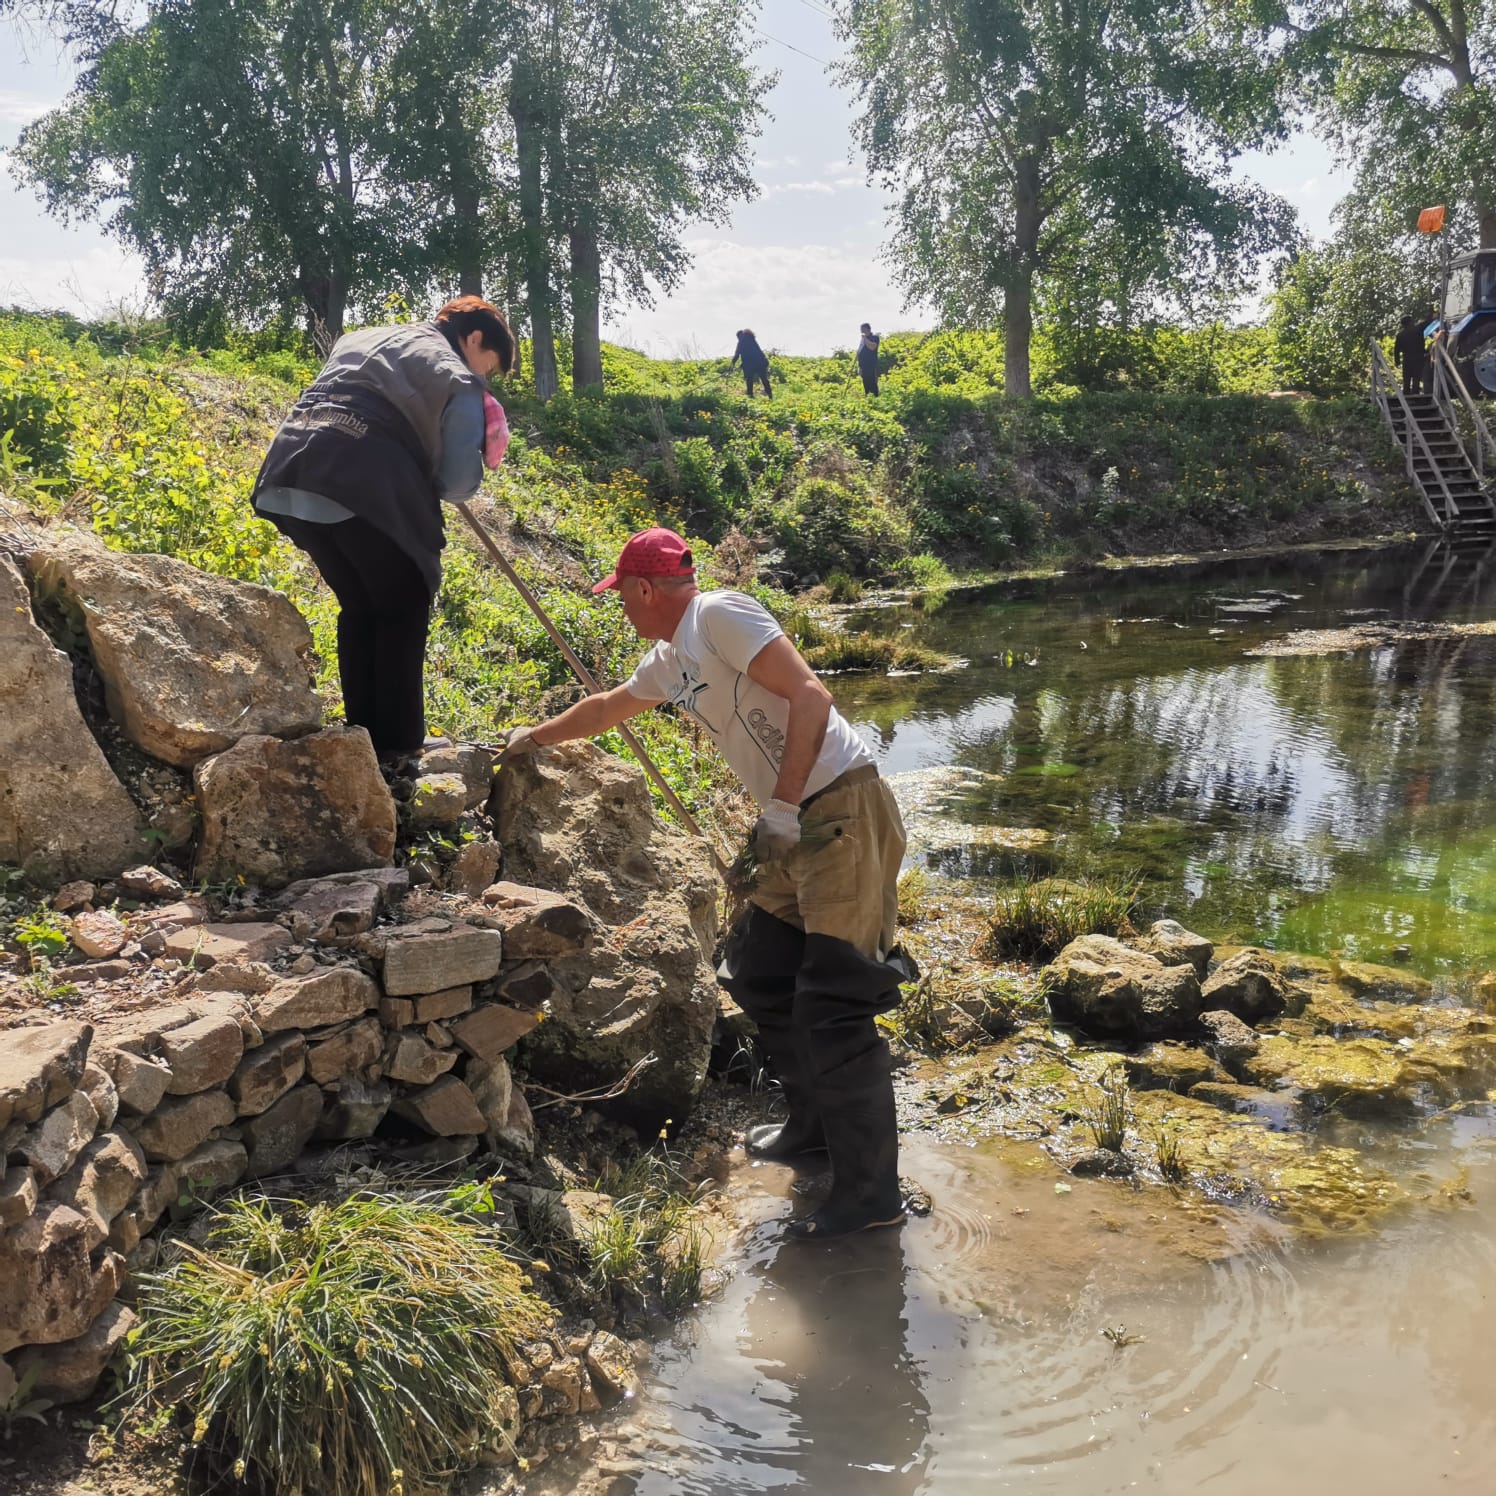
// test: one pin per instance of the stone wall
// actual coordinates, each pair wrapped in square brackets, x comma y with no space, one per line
[110,1129]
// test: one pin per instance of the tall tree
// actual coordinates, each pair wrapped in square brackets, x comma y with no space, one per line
[1019,133]
[633,119]
[259,154]
[1408,89]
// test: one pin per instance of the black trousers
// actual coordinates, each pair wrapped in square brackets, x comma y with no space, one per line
[749,375]
[870,382]
[1412,378]
[384,611]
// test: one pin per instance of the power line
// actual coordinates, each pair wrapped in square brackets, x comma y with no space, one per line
[792,48]
[818,9]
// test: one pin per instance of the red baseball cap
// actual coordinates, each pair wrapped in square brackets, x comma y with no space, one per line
[655,552]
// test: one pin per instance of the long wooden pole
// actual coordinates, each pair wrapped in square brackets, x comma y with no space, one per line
[589,680]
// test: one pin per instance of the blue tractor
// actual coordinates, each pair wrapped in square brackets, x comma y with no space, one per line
[1469,320]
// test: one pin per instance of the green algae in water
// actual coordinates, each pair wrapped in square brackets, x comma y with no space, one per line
[1341,804]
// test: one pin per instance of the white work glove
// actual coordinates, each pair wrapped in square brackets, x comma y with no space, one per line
[521,740]
[777,832]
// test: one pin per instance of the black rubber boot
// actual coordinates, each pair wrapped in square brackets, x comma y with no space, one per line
[759,969]
[841,992]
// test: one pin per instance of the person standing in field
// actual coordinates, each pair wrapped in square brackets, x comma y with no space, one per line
[867,358]
[815,958]
[755,361]
[398,420]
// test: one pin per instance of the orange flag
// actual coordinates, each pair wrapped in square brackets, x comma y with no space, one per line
[1431,220]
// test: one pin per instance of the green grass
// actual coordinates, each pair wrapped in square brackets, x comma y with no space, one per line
[871,652]
[1107,1110]
[350,1349]
[1034,919]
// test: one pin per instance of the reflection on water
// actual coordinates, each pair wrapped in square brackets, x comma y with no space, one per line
[954,1359]
[1332,804]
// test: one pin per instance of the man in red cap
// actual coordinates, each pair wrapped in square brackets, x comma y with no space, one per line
[814,960]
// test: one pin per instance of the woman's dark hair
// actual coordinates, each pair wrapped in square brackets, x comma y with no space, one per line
[469,314]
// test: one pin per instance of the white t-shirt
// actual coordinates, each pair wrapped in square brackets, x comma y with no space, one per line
[703,670]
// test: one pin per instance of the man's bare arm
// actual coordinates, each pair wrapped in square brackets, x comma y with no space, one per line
[781,670]
[590,716]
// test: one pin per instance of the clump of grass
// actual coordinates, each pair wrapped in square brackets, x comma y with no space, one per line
[1171,1162]
[1034,920]
[914,895]
[1107,1110]
[352,1349]
[842,588]
[871,652]
[946,1011]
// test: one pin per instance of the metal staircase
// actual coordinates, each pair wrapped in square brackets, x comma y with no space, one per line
[1447,446]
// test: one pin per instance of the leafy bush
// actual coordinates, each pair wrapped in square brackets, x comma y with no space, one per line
[341,1348]
[825,524]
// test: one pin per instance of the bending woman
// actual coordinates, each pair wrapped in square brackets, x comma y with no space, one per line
[393,425]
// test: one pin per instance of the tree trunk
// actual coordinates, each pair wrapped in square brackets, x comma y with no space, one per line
[1487,227]
[325,297]
[467,210]
[1018,298]
[529,135]
[586,310]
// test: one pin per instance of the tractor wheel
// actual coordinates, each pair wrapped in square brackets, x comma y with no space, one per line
[1477,361]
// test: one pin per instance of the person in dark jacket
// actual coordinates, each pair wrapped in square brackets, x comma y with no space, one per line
[392,426]
[867,359]
[1408,352]
[755,361]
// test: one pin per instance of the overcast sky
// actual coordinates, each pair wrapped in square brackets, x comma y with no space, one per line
[800,264]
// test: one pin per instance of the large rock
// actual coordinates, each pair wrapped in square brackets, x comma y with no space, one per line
[578,821]
[103,1181]
[190,662]
[1112,991]
[421,960]
[63,814]
[181,1125]
[445,1109]
[274,812]
[1247,984]
[68,1372]
[267,1073]
[346,1051]
[1175,946]
[52,1145]
[318,1000]
[539,923]
[1229,1039]
[203,1053]
[50,1289]
[277,1136]
[39,1066]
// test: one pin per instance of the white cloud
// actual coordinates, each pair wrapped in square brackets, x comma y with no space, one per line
[89,282]
[799,299]
[18,109]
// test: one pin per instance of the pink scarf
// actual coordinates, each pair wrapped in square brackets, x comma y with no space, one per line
[495,431]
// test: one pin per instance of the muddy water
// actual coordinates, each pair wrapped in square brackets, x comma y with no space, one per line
[966,1353]
[1338,803]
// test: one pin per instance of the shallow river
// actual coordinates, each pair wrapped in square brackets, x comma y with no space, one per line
[1337,803]
[1327,803]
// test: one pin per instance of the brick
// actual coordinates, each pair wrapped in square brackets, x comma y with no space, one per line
[431,961]
[489,1030]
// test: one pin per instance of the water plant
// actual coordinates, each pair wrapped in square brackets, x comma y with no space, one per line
[1034,919]
[1170,1146]
[349,1348]
[1107,1110]
[914,894]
